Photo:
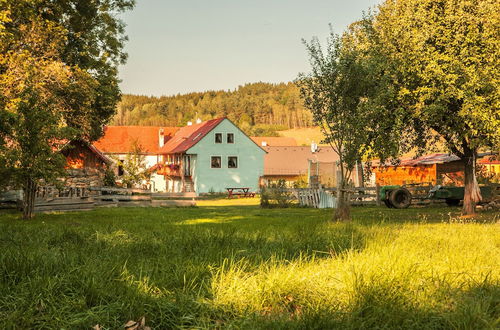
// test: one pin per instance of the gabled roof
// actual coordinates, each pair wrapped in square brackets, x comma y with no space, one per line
[68,145]
[295,160]
[121,139]
[274,141]
[188,136]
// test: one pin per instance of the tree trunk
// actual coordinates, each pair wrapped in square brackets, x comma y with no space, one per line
[29,191]
[343,210]
[472,194]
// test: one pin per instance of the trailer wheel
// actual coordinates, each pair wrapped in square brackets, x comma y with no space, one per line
[452,202]
[400,198]
[388,203]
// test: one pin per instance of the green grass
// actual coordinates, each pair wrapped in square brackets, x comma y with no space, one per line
[230,264]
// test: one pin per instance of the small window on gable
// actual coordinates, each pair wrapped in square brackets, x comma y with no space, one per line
[232,162]
[230,138]
[215,162]
[218,137]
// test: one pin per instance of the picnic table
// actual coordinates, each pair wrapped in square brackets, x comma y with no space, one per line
[239,192]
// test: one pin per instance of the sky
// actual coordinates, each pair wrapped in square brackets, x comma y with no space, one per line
[182,46]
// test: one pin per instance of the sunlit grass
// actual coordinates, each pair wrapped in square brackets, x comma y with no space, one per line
[229,202]
[231,265]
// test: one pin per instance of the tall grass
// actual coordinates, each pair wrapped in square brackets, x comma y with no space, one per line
[244,267]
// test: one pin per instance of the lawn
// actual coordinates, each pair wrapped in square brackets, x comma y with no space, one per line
[228,265]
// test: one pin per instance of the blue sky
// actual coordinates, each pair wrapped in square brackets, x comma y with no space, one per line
[180,46]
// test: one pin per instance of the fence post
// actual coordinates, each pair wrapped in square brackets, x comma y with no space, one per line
[379,202]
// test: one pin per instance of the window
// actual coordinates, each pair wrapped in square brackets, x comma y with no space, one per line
[120,168]
[218,137]
[216,162]
[230,138]
[232,162]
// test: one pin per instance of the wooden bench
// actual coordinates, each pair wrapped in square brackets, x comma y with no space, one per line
[239,192]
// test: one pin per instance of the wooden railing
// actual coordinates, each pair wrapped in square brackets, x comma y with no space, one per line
[121,195]
[166,170]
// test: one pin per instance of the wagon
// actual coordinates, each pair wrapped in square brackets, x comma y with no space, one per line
[400,197]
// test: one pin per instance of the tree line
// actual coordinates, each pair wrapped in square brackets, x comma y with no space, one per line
[257,108]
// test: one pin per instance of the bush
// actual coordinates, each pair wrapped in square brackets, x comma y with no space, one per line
[109,178]
[276,195]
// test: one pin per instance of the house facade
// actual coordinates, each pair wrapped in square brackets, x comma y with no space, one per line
[209,157]
[120,141]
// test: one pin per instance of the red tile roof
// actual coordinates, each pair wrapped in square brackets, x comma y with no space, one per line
[294,160]
[121,139]
[274,141]
[188,136]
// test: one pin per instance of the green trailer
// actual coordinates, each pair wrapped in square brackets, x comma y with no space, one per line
[400,197]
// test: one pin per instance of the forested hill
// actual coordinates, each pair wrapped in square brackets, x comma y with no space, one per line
[258,108]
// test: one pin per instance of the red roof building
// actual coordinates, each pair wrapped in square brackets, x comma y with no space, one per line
[121,139]
[188,136]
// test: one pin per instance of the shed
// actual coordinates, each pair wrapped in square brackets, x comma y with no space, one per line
[436,168]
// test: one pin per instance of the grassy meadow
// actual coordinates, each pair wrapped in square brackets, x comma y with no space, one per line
[222,264]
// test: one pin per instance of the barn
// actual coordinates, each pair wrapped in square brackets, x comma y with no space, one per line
[85,164]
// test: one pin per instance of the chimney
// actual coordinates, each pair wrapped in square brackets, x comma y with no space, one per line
[190,123]
[198,121]
[161,137]
[314,147]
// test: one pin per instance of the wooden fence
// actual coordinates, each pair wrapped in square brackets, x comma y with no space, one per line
[110,196]
[49,198]
[327,197]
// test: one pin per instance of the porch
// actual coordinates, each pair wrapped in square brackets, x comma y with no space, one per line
[178,172]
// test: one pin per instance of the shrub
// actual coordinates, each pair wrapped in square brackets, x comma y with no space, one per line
[276,195]
[109,178]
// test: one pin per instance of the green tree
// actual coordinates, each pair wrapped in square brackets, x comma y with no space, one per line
[58,82]
[333,91]
[134,166]
[38,91]
[441,60]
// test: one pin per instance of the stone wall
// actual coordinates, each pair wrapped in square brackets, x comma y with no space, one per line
[84,177]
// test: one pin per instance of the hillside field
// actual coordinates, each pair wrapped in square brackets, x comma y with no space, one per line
[232,264]
[304,136]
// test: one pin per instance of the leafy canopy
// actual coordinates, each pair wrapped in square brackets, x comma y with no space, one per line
[446,55]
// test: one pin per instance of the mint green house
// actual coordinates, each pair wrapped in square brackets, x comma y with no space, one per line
[211,156]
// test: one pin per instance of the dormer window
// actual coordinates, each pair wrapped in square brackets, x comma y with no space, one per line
[230,138]
[218,137]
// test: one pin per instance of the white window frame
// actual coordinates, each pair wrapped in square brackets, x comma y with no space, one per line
[227,134]
[237,162]
[210,164]
[221,138]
